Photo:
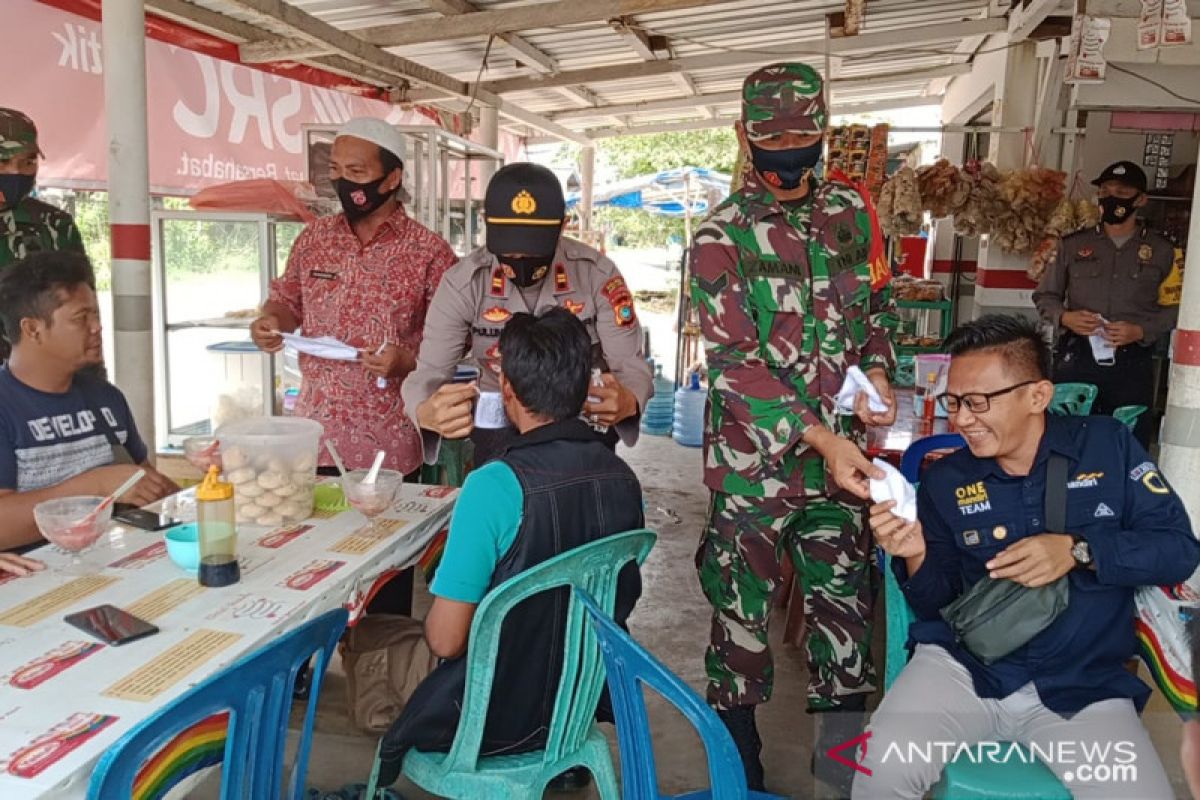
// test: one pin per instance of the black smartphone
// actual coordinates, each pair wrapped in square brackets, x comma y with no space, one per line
[141,518]
[110,624]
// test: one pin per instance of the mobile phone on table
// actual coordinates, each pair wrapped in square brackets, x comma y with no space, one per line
[110,624]
[142,518]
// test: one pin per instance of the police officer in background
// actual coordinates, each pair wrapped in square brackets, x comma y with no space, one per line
[526,265]
[1104,284]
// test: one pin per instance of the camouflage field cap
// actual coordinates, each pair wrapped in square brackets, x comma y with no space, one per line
[17,133]
[783,98]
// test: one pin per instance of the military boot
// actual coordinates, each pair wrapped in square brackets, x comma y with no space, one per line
[836,726]
[744,730]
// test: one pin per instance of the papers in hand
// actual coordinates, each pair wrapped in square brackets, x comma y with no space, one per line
[1102,350]
[489,411]
[857,381]
[321,347]
[894,487]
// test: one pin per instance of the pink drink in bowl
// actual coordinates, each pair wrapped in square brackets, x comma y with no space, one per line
[68,524]
[202,451]
[372,499]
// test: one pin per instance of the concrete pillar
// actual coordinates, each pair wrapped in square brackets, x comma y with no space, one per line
[129,207]
[587,186]
[1002,285]
[1180,452]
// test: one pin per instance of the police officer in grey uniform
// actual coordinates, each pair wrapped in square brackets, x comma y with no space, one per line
[1105,281]
[527,266]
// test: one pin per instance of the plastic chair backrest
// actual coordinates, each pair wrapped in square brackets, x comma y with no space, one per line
[630,666]
[1128,415]
[256,693]
[914,456]
[1073,399]
[592,567]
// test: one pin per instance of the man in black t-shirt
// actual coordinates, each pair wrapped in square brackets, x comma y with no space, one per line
[63,432]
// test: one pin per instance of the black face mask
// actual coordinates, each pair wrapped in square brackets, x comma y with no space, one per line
[784,169]
[15,188]
[1116,209]
[527,270]
[360,199]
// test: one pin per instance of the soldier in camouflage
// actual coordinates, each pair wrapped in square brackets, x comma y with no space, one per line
[782,281]
[27,225]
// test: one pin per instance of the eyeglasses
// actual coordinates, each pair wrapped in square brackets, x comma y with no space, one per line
[976,402]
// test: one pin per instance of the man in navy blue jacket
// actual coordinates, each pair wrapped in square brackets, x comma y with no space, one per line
[981,512]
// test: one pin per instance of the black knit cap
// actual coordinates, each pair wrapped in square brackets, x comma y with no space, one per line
[524,209]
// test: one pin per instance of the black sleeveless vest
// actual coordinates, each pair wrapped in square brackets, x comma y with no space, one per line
[576,490]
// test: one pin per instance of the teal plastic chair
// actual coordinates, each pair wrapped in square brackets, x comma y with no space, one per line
[1128,415]
[251,700]
[1073,399]
[574,738]
[631,669]
[1025,779]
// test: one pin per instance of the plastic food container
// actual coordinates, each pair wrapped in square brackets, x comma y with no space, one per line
[272,464]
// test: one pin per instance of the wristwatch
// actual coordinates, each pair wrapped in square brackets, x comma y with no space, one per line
[1081,551]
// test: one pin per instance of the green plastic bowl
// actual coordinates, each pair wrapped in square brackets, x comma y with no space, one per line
[183,546]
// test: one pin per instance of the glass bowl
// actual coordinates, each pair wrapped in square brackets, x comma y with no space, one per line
[58,520]
[371,500]
[203,452]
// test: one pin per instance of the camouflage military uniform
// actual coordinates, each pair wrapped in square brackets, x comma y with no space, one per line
[27,226]
[33,226]
[786,306]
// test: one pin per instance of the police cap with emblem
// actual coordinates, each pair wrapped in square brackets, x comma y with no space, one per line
[524,209]
[1125,172]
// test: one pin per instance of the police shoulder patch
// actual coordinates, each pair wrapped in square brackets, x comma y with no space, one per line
[621,299]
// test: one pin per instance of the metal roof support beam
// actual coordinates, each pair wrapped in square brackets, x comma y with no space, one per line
[311,28]
[520,47]
[1023,21]
[735,95]
[883,40]
[635,37]
[484,23]
[1049,107]
[689,88]
[580,94]
[719,122]
[237,31]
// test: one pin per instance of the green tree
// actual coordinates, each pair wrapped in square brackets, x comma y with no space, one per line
[91,217]
[629,156]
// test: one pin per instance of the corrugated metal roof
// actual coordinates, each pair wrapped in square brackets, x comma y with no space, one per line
[740,35]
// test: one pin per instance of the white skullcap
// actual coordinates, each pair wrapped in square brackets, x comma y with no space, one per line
[376,131]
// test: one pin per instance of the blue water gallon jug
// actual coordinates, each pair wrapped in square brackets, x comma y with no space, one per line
[689,413]
[658,416]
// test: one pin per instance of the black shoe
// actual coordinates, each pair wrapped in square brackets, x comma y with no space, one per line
[834,727]
[742,727]
[573,780]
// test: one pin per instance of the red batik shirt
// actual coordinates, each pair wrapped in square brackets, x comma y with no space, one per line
[363,295]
